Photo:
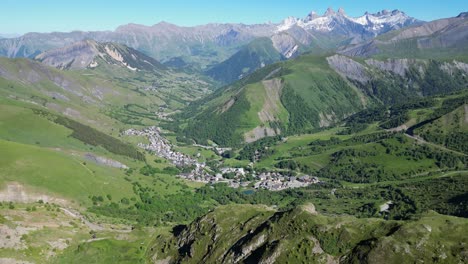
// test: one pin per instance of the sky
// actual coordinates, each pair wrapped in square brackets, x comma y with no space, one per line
[22,16]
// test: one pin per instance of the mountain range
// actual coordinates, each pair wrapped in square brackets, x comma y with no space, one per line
[449,35]
[210,44]
[323,139]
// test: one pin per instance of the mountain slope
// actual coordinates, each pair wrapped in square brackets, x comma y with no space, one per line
[314,34]
[282,98]
[254,234]
[443,38]
[395,80]
[256,54]
[312,92]
[90,54]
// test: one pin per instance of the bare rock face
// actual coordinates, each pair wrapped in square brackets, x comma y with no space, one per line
[396,66]
[105,161]
[90,54]
[348,67]
[78,55]
[285,44]
[18,193]
[454,66]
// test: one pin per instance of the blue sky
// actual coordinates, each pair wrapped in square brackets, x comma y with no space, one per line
[17,17]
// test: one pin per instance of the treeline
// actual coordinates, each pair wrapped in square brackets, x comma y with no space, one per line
[152,209]
[436,81]
[388,116]
[361,166]
[445,195]
[94,137]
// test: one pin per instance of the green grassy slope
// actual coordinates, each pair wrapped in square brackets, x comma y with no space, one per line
[109,95]
[59,173]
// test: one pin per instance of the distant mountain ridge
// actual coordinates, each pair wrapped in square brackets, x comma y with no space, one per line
[359,28]
[314,33]
[207,45]
[90,54]
[426,40]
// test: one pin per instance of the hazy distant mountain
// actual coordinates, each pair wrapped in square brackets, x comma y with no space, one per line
[212,43]
[90,54]
[256,54]
[437,39]
[200,45]
[4,35]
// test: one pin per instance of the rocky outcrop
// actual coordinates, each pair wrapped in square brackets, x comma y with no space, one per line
[348,68]
[285,44]
[104,161]
[453,67]
[301,235]
[18,193]
[91,54]
[396,66]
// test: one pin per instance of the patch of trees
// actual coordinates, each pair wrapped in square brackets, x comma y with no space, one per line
[258,149]
[301,116]
[454,140]
[389,117]
[354,165]
[94,137]
[445,195]
[287,165]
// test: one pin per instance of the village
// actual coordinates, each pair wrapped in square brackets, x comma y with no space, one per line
[234,177]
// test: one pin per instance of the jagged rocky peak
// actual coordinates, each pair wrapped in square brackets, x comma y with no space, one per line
[311,16]
[341,11]
[366,25]
[329,12]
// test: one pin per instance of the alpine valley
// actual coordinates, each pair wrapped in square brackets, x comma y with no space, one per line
[323,139]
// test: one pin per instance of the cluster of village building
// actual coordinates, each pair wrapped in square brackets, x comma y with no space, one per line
[161,146]
[234,177]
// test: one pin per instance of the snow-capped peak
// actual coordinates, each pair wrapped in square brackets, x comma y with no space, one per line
[383,18]
[341,11]
[311,16]
[377,23]
[287,23]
